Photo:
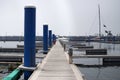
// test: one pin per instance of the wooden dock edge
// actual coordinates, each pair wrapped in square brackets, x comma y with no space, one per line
[40,67]
[33,77]
[67,56]
[78,74]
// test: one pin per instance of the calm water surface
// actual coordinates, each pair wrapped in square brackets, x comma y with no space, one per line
[103,73]
[10,44]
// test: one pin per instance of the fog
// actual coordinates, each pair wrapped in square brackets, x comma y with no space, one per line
[64,17]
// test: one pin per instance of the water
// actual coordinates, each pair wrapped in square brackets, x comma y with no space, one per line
[10,44]
[113,49]
[103,73]
[99,73]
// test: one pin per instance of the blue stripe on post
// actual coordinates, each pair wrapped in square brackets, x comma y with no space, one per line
[50,38]
[45,38]
[29,39]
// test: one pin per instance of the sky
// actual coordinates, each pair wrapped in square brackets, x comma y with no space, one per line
[64,17]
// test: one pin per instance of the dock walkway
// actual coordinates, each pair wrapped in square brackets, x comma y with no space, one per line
[55,66]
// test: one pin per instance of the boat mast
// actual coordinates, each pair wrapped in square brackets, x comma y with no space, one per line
[99,20]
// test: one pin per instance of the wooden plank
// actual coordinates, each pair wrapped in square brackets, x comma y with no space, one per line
[54,66]
[77,72]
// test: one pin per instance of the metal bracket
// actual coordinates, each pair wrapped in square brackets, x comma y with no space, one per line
[22,67]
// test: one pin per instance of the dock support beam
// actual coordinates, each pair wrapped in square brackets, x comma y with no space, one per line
[50,38]
[45,39]
[29,39]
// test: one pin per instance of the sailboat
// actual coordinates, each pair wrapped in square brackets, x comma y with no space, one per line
[98,38]
[109,33]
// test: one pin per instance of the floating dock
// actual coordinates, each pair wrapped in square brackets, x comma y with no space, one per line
[55,66]
[95,56]
[16,50]
[10,58]
[14,55]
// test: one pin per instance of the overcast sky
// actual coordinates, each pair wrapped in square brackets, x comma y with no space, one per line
[64,17]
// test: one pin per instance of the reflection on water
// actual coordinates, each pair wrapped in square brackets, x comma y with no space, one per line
[99,73]
[105,73]
[112,49]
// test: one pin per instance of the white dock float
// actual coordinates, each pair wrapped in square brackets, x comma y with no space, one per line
[20,55]
[56,67]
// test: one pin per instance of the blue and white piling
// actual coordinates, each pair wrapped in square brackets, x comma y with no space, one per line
[29,39]
[45,39]
[50,38]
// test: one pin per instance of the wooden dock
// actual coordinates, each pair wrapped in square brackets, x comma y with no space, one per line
[55,66]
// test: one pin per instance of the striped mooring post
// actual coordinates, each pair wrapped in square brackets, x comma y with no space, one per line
[29,39]
[45,39]
[50,38]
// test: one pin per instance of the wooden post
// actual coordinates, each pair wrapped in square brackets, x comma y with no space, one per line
[54,38]
[64,47]
[70,53]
